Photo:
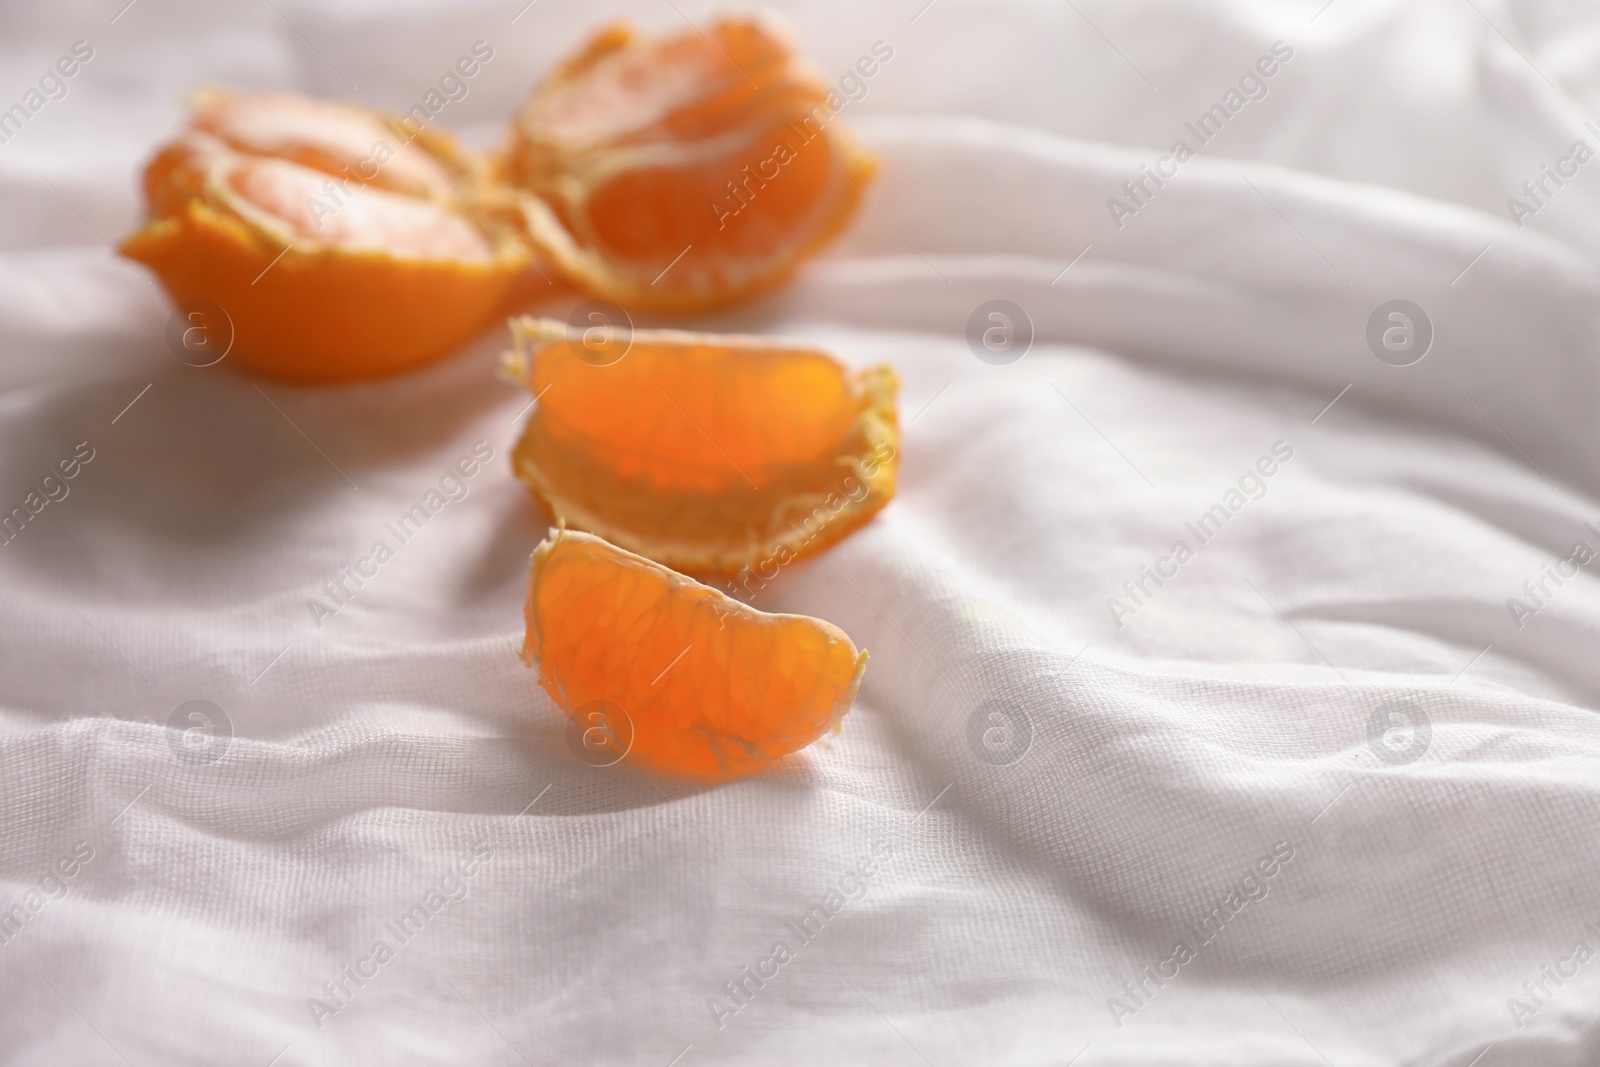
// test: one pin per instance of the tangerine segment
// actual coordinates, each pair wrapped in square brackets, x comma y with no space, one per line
[327,272]
[334,138]
[276,193]
[713,454]
[686,172]
[703,685]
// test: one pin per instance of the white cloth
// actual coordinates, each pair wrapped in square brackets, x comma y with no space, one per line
[388,754]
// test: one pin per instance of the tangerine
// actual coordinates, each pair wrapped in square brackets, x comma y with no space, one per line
[340,244]
[684,172]
[673,675]
[714,454]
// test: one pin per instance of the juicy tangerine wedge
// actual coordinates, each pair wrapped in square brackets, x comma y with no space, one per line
[686,172]
[340,245]
[670,674]
[717,455]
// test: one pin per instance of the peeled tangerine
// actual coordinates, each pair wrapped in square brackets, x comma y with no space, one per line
[340,244]
[686,172]
[673,675]
[715,454]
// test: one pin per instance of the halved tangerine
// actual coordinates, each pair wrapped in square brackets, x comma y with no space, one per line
[685,172]
[341,245]
[713,454]
[670,674]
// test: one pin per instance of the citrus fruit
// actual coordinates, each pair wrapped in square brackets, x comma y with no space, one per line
[653,667]
[717,455]
[683,172]
[340,244]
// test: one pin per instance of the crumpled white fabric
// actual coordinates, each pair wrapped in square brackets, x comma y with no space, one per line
[1040,795]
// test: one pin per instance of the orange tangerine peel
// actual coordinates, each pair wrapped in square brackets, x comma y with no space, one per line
[681,173]
[340,244]
[653,667]
[717,455]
